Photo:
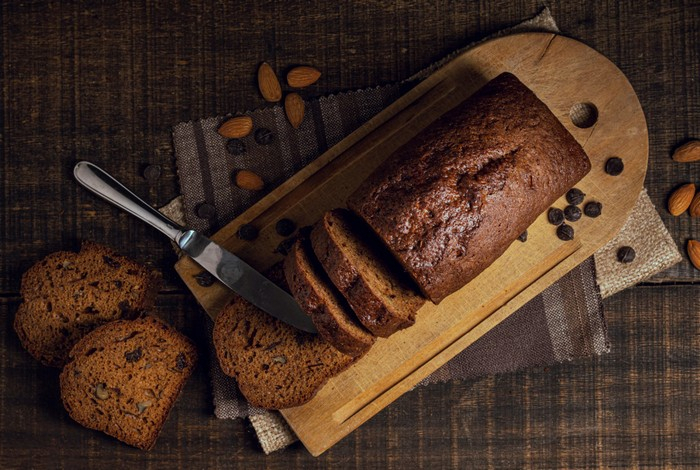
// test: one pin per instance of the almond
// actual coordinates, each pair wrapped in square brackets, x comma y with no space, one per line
[302,76]
[269,86]
[246,179]
[681,198]
[237,127]
[694,208]
[294,108]
[688,152]
[694,252]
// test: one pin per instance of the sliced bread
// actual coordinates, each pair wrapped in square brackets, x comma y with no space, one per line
[123,378]
[68,294]
[373,283]
[276,366]
[330,313]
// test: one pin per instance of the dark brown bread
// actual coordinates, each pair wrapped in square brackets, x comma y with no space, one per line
[451,201]
[364,272]
[276,365]
[67,295]
[330,313]
[123,378]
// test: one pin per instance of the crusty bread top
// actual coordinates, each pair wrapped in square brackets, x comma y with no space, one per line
[276,365]
[68,294]
[123,378]
[451,200]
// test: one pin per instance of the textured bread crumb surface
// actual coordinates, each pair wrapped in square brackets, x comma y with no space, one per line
[124,377]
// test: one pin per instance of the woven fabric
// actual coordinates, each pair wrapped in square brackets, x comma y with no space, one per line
[562,323]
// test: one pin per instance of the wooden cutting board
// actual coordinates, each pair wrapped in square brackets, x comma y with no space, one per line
[569,77]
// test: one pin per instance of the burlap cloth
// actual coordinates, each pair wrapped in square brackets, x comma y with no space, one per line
[562,323]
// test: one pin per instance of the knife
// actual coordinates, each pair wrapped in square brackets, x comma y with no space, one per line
[228,268]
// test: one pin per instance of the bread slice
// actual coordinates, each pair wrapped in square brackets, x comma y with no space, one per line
[68,294]
[330,313]
[276,365]
[371,281]
[123,378]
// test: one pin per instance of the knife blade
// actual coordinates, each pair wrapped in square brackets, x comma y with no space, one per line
[228,268]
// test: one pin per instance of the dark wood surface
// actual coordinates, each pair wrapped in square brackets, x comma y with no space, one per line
[106,81]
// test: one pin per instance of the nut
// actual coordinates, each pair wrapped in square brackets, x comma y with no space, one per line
[268,84]
[302,76]
[237,127]
[681,198]
[694,208]
[279,359]
[101,391]
[246,179]
[294,108]
[142,405]
[688,152]
[694,252]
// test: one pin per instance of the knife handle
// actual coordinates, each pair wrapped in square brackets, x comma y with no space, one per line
[104,185]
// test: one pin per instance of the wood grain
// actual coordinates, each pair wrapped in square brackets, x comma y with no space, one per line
[106,81]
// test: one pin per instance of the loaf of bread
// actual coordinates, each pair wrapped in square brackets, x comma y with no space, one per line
[123,378]
[450,201]
[365,273]
[276,365]
[329,311]
[66,295]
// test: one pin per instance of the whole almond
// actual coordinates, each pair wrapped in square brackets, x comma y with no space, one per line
[688,152]
[681,198]
[302,76]
[694,208]
[269,86]
[294,108]
[694,252]
[237,127]
[246,179]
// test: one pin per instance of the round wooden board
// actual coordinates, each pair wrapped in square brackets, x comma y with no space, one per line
[563,73]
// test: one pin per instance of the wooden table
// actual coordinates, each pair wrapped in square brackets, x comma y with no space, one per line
[106,81]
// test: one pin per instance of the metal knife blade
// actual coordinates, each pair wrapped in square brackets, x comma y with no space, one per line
[232,271]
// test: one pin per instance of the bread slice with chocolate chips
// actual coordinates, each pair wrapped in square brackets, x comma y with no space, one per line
[276,365]
[66,295]
[329,311]
[373,283]
[123,378]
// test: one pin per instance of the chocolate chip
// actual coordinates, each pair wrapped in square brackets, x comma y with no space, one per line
[285,227]
[118,284]
[523,236]
[111,262]
[284,246]
[555,216]
[124,306]
[151,173]
[572,213]
[575,196]
[264,136]
[235,146]
[593,209]
[181,361]
[133,356]
[206,211]
[565,232]
[614,166]
[626,254]
[247,232]
[204,279]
